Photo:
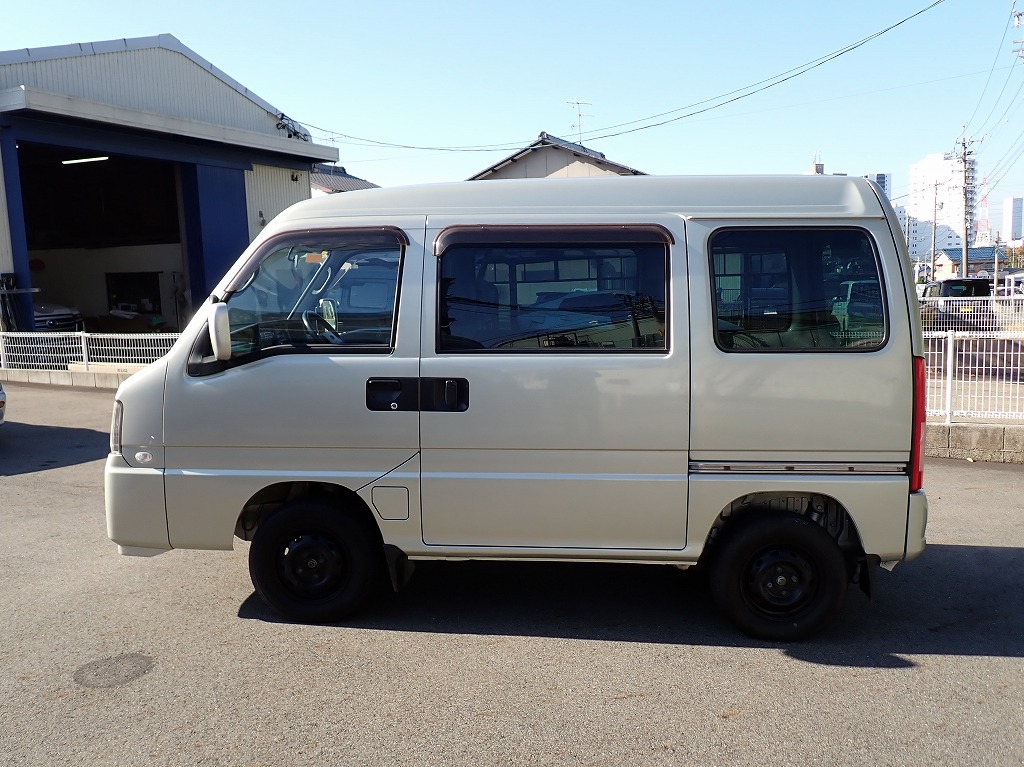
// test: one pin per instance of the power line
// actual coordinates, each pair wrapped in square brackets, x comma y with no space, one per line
[984,90]
[722,100]
[777,80]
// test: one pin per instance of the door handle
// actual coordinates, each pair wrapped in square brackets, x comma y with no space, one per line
[451,393]
[392,394]
[444,395]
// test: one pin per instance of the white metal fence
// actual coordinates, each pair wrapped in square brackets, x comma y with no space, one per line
[975,356]
[972,373]
[64,351]
[995,314]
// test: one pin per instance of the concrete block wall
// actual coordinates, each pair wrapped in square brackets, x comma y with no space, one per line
[996,443]
[86,379]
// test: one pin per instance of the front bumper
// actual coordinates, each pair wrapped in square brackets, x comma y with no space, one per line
[136,512]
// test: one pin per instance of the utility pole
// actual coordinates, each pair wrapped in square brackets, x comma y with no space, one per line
[965,159]
[995,268]
[935,225]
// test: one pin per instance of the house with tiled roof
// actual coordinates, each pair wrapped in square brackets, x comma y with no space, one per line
[553,157]
[981,261]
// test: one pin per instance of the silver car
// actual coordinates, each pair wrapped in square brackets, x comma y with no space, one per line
[3,404]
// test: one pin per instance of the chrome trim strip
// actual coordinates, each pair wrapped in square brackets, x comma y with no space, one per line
[797,467]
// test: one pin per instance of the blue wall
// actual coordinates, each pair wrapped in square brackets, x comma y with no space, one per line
[216,224]
[16,223]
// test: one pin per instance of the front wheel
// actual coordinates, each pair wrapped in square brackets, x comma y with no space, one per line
[313,562]
[779,576]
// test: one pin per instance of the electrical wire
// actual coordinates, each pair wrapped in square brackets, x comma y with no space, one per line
[984,90]
[596,134]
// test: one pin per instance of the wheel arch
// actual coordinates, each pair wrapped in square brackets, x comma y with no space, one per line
[824,510]
[269,499]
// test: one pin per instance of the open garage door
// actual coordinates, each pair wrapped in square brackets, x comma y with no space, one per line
[104,236]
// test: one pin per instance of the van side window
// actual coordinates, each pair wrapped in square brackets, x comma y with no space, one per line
[796,290]
[574,295]
[316,291]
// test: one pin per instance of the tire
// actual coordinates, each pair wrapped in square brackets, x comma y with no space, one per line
[314,563]
[779,576]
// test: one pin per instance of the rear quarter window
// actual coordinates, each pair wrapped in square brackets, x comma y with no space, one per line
[807,290]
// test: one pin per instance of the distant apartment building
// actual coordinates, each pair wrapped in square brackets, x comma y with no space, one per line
[936,199]
[884,180]
[1011,230]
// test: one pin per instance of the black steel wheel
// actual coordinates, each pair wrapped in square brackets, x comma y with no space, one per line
[314,562]
[779,576]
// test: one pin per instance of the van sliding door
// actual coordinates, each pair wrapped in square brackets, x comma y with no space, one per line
[555,405]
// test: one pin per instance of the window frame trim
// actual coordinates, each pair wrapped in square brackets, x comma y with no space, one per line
[550,234]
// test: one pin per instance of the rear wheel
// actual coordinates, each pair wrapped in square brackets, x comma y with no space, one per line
[313,562]
[779,576]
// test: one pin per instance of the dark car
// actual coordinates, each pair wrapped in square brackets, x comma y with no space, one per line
[959,303]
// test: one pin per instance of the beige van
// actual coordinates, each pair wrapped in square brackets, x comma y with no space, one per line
[644,369]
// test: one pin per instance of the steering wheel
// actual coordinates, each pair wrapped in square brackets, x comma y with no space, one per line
[749,339]
[318,326]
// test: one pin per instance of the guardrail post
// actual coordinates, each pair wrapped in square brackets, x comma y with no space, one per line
[950,370]
[85,349]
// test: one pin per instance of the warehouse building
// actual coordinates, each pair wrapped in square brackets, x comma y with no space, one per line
[133,174]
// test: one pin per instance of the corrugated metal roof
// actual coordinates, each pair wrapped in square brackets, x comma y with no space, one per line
[545,140]
[332,178]
[164,86]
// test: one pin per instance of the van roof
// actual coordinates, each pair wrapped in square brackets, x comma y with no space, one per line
[693,196]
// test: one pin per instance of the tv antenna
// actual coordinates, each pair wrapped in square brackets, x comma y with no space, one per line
[578,127]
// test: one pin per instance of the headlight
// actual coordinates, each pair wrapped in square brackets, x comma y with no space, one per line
[115,427]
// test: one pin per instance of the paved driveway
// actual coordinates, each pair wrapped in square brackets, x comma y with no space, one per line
[108,660]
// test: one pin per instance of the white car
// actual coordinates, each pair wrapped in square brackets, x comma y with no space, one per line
[3,404]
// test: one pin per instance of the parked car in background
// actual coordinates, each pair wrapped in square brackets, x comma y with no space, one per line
[958,303]
[858,305]
[54,317]
[3,404]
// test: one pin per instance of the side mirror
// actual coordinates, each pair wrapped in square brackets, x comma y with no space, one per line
[220,331]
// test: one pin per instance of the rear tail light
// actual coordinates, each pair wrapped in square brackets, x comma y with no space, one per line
[917,443]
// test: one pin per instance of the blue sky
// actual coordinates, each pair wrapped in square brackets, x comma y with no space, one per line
[457,74]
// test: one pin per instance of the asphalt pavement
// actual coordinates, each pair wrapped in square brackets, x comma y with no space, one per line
[108,660]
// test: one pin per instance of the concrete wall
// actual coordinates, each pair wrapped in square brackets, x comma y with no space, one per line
[996,443]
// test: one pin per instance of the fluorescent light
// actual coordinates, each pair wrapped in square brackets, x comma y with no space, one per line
[84,159]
